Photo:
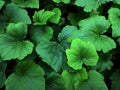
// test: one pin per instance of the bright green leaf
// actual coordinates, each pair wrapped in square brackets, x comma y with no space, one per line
[16,14]
[55,82]
[27,3]
[114,14]
[72,77]
[41,17]
[81,52]
[117,1]
[95,81]
[115,77]
[27,76]
[12,45]
[90,5]
[92,30]
[40,33]
[64,1]
[1,4]
[51,53]
[55,18]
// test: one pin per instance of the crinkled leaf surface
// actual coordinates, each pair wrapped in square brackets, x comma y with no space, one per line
[54,81]
[81,52]
[1,3]
[93,29]
[12,45]
[41,33]
[115,77]
[27,3]
[90,5]
[16,14]
[41,17]
[72,77]
[104,62]
[95,81]
[55,18]
[51,53]
[27,76]
[3,66]
[114,14]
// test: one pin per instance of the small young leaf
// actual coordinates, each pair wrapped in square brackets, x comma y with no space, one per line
[41,17]
[81,52]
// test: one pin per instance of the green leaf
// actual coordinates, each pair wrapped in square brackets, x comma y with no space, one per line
[41,17]
[95,81]
[90,5]
[72,77]
[16,14]
[104,62]
[40,33]
[12,45]
[27,76]
[81,52]
[51,53]
[54,81]
[115,77]
[1,4]
[3,66]
[117,1]
[64,1]
[114,14]
[55,18]
[27,3]
[92,30]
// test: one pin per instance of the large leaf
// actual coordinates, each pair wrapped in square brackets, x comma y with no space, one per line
[40,33]
[41,17]
[51,53]
[72,77]
[3,66]
[81,52]
[27,76]
[55,82]
[115,77]
[90,5]
[27,3]
[92,29]
[12,45]
[114,14]
[16,14]
[95,81]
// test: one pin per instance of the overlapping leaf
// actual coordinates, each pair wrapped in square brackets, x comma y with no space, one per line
[40,33]
[95,81]
[27,76]
[51,53]
[12,45]
[55,81]
[114,14]
[41,17]
[72,77]
[93,29]
[27,3]
[81,53]
[90,5]
[16,14]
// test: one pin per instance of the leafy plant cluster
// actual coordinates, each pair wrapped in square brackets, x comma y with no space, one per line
[59,44]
